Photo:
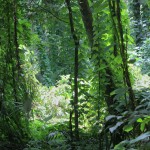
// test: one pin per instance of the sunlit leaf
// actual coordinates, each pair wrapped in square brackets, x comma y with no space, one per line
[142,127]
[128,128]
[139,120]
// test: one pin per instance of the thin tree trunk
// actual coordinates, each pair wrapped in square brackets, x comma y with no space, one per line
[71,131]
[11,54]
[76,43]
[124,58]
[16,37]
[137,21]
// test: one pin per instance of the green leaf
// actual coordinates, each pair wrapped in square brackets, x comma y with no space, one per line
[112,93]
[139,120]
[128,128]
[102,67]
[48,118]
[118,60]
[142,127]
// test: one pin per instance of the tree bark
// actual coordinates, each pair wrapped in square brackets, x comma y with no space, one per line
[137,21]
[87,19]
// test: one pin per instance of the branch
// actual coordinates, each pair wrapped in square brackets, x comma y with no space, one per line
[46,10]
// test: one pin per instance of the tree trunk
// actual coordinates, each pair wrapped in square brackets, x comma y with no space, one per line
[76,43]
[16,37]
[137,21]
[87,19]
[124,58]
[88,23]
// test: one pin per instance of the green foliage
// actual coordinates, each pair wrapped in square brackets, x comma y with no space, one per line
[137,143]
[54,101]
[52,49]
[16,79]
[144,122]
[145,54]
[37,109]
[38,130]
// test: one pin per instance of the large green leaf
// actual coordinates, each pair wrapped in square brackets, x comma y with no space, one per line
[128,128]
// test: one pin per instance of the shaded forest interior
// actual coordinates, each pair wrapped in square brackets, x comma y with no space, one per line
[75,75]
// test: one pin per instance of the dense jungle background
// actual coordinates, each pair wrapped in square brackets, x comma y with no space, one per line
[74,75]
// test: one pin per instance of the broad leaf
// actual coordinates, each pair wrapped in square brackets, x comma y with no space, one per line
[128,128]
[139,120]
